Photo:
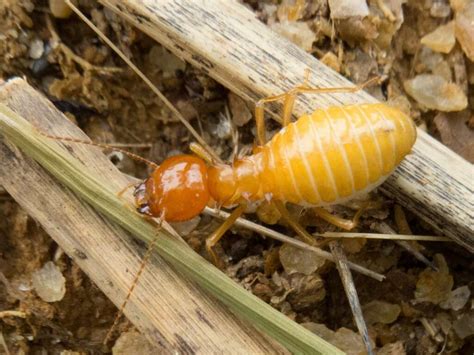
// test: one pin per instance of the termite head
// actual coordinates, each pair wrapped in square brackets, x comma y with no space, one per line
[176,191]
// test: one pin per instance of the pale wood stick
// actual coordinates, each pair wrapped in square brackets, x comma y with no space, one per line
[170,311]
[224,39]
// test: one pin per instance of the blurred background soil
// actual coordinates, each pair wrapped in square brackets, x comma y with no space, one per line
[426,51]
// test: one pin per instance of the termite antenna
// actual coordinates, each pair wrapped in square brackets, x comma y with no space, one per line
[143,263]
[100,145]
[202,153]
[145,80]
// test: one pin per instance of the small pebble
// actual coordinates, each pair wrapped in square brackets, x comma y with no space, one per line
[344,339]
[443,69]
[49,283]
[381,312]
[268,213]
[464,29]
[428,60]
[59,9]
[186,227]
[342,9]
[291,10]
[464,326]
[165,61]
[133,342]
[458,299]
[434,92]
[440,9]
[36,49]
[306,291]
[241,114]
[224,129]
[331,60]
[298,260]
[442,39]
[300,33]
[396,348]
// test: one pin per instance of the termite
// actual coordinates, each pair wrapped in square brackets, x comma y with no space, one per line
[323,158]
[326,157]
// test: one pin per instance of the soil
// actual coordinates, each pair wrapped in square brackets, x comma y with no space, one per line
[412,312]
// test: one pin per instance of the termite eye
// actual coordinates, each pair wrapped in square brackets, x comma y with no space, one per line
[144,209]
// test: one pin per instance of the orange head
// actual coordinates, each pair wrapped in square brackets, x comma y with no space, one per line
[176,191]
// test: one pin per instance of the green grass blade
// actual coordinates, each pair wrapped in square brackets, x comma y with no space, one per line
[89,187]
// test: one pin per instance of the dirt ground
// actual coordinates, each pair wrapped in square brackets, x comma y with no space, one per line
[417,310]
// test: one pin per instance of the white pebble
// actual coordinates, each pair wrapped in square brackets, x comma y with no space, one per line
[342,9]
[36,49]
[49,283]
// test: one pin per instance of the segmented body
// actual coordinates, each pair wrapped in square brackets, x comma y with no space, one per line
[323,158]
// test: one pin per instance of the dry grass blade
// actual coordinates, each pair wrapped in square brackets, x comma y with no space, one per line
[394,237]
[94,191]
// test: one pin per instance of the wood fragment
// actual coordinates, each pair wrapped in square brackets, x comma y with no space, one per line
[193,319]
[225,40]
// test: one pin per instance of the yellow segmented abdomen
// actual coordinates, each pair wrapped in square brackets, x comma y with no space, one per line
[335,153]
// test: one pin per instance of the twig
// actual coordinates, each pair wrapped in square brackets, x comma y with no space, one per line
[351,293]
[4,343]
[18,314]
[242,222]
[394,237]
[385,228]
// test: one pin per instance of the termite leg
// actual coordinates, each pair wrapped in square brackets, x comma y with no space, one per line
[342,223]
[305,89]
[214,238]
[289,98]
[298,228]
